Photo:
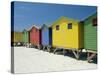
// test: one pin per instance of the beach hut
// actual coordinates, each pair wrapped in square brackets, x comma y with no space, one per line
[90,36]
[16,38]
[25,37]
[46,37]
[67,34]
[35,36]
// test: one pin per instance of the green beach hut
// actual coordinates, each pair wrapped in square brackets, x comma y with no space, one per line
[25,37]
[90,35]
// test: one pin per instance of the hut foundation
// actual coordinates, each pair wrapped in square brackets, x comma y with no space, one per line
[91,55]
[76,52]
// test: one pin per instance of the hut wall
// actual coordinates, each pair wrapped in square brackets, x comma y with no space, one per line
[16,36]
[90,33]
[66,37]
[45,36]
[26,37]
[35,36]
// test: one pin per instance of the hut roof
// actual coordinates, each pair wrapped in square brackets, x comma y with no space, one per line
[44,25]
[24,30]
[37,27]
[63,18]
[89,16]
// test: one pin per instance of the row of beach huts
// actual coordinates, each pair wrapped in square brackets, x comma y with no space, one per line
[64,34]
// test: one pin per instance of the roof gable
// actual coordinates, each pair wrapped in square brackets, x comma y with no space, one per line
[90,16]
[33,26]
[63,19]
[44,26]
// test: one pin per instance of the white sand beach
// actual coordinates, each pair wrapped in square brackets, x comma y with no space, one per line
[30,60]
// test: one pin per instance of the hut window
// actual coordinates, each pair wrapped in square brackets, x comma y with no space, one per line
[69,25]
[94,22]
[57,27]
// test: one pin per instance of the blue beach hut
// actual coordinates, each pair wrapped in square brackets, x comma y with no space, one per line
[46,37]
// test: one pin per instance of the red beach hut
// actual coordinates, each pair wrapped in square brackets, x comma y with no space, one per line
[35,36]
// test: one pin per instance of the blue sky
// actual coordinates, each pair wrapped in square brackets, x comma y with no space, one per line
[26,14]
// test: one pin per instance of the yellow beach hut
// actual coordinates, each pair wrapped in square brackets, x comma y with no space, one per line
[68,34]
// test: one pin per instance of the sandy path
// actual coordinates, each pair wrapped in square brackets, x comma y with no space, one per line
[28,60]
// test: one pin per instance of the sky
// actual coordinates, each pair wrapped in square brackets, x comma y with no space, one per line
[28,13]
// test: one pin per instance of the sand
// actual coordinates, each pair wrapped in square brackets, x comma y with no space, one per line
[30,60]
